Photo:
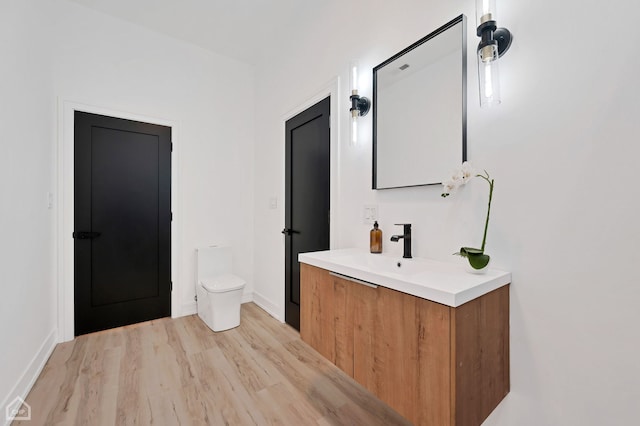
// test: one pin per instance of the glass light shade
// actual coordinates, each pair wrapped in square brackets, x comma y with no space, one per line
[354,129]
[485,11]
[353,85]
[488,76]
[353,75]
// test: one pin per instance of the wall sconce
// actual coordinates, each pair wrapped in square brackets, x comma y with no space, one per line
[494,42]
[359,105]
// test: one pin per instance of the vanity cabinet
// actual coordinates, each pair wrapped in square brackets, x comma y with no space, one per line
[434,364]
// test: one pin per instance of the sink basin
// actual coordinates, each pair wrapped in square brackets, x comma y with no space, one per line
[386,264]
[441,282]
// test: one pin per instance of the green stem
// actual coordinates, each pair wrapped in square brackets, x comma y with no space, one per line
[486,224]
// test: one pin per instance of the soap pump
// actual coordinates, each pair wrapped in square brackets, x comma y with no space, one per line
[375,239]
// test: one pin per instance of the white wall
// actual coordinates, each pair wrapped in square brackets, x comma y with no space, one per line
[106,62]
[57,50]
[27,302]
[563,148]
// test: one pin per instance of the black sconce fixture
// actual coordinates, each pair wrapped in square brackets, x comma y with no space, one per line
[494,42]
[359,105]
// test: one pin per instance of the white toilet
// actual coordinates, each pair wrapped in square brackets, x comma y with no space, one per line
[219,291]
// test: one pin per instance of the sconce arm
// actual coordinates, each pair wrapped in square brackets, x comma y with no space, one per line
[360,104]
[490,34]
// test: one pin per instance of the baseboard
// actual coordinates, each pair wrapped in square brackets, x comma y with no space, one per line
[28,378]
[265,304]
[247,297]
[189,308]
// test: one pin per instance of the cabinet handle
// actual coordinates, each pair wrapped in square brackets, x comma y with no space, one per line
[357,281]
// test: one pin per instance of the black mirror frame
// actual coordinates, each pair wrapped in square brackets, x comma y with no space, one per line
[460,19]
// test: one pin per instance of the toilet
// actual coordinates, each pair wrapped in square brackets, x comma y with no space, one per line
[219,291]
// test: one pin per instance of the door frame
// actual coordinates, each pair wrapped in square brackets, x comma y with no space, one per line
[65,204]
[332,89]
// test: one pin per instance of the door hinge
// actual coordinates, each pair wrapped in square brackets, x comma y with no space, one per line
[171,216]
[171,146]
[195,297]
[171,285]
[329,120]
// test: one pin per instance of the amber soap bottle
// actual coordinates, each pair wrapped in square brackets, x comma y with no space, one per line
[375,239]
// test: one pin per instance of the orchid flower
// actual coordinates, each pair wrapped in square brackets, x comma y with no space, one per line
[477,258]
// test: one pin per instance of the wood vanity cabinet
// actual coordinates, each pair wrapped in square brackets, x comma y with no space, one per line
[432,363]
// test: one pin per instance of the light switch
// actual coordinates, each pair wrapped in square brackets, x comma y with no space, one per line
[370,213]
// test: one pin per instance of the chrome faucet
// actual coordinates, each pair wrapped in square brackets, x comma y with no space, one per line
[407,239]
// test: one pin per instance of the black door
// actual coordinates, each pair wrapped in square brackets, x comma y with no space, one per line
[122,250]
[307,196]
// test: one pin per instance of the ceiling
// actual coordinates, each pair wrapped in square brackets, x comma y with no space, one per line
[239,29]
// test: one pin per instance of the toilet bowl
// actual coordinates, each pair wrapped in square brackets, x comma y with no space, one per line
[219,291]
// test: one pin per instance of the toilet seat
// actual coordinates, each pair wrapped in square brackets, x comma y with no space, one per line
[222,283]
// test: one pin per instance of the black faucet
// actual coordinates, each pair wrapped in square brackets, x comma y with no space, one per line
[407,239]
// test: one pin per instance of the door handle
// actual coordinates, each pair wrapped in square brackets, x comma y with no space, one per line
[83,235]
[289,231]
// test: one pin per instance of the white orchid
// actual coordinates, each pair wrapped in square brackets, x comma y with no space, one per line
[459,177]
[467,170]
[478,259]
[448,187]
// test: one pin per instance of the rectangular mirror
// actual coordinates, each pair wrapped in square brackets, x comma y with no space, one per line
[419,110]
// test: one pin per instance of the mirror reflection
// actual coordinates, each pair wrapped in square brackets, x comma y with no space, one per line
[419,110]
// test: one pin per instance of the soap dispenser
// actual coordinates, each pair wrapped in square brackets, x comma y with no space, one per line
[375,239]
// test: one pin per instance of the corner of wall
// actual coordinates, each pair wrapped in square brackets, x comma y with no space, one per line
[271,308]
[22,388]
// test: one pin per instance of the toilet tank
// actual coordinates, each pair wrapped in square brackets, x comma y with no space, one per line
[212,261]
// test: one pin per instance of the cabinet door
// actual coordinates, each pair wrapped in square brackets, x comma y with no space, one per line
[412,357]
[363,301]
[396,351]
[480,333]
[355,307]
[344,316]
[317,310]
[434,363]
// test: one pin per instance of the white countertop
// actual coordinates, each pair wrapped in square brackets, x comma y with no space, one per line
[446,283]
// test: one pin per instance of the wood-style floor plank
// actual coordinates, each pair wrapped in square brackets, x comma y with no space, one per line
[179,372]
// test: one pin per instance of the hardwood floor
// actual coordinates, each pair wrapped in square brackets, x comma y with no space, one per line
[178,372]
